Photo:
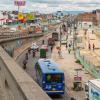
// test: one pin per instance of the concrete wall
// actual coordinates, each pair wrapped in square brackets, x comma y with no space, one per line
[17,85]
[98,18]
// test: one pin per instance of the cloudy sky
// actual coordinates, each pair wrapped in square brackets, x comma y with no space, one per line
[52,5]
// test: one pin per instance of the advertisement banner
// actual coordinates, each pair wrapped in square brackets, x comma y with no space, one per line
[19,2]
[30,16]
[20,16]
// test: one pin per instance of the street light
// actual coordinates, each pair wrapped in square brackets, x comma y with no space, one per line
[74,37]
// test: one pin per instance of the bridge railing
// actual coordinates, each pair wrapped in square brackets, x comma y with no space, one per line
[16,82]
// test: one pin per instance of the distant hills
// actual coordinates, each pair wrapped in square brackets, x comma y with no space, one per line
[72,12]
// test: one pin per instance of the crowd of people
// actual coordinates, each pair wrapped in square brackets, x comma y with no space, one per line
[28,53]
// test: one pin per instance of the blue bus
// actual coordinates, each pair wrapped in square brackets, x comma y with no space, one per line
[49,77]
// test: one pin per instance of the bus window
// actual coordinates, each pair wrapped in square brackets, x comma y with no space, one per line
[54,78]
[39,71]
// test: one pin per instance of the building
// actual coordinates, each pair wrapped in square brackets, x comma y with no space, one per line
[87,20]
[98,16]
[3,18]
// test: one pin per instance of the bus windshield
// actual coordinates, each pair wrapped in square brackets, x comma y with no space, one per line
[57,78]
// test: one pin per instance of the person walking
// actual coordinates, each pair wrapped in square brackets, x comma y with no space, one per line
[24,64]
[59,52]
[89,46]
[93,46]
[51,48]
[29,51]
[33,53]
[42,41]
[26,56]
[66,45]
[69,50]
[92,31]
[69,45]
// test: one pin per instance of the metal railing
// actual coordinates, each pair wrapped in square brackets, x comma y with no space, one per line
[89,66]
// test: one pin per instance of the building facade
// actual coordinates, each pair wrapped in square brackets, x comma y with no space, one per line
[98,16]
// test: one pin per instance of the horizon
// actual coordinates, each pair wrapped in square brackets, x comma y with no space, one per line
[49,6]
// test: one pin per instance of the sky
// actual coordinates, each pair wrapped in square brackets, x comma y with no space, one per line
[49,6]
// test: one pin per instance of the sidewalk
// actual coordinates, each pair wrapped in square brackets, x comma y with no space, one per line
[91,54]
[68,65]
[4,94]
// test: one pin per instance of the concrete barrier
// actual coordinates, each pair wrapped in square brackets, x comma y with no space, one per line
[16,82]
[20,37]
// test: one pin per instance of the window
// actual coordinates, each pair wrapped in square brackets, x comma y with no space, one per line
[53,78]
[39,69]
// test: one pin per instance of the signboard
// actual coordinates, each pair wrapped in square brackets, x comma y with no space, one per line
[19,2]
[20,16]
[30,16]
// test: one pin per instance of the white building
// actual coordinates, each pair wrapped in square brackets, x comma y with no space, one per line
[3,18]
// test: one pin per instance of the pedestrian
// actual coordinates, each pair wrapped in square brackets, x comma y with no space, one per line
[66,45]
[26,56]
[92,31]
[24,64]
[29,50]
[42,41]
[89,46]
[59,52]
[93,46]
[51,48]
[33,53]
[69,50]
[69,45]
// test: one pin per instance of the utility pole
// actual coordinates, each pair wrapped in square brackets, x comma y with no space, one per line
[60,36]
[18,9]
[74,37]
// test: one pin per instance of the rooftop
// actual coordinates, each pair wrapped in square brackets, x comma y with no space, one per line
[49,66]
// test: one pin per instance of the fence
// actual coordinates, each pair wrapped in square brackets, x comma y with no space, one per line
[91,68]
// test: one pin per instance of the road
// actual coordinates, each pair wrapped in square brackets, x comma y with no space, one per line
[30,67]
[67,64]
